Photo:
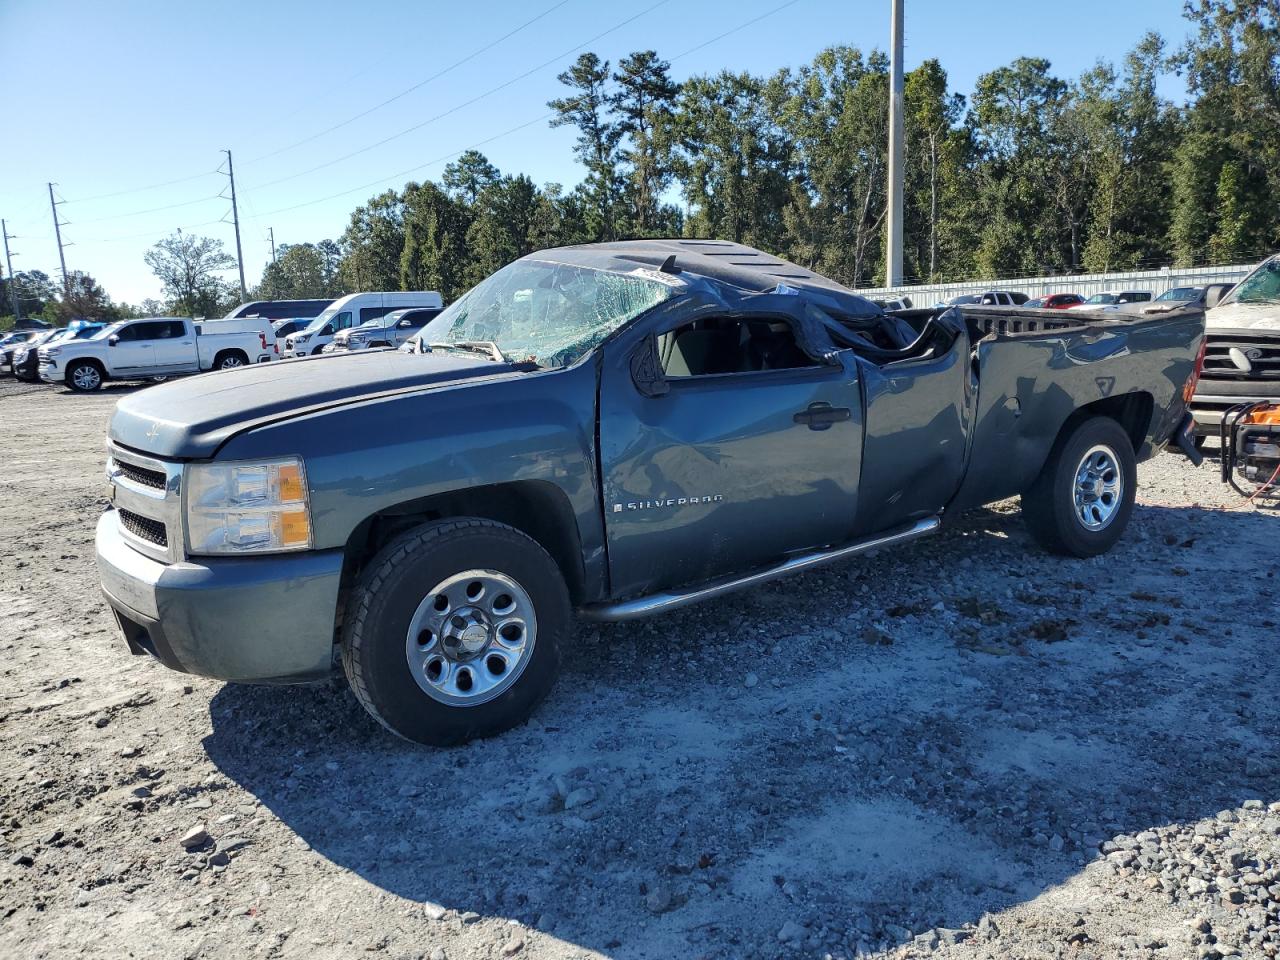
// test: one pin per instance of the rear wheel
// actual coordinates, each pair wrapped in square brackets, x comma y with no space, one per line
[229,360]
[83,376]
[454,631]
[1081,502]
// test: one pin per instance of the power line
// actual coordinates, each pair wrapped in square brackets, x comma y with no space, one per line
[410,170]
[498,136]
[153,186]
[461,106]
[148,233]
[417,86]
[139,213]
[728,33]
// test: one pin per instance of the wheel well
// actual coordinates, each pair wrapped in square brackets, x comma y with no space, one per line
[92,361]
[538,509]
[218,357]
[1131,410]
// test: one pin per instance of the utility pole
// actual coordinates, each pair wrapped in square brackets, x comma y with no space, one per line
[894,259]
[8,265]
[272,231]
[235,217]
[57,232]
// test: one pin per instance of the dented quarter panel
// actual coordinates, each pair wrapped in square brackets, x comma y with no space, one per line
[1029,384]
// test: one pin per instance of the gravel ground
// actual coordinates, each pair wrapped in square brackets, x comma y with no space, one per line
[965,748]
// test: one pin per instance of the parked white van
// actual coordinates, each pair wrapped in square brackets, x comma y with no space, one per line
[352,311]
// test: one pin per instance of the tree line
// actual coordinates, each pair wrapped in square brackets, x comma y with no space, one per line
[1028,174]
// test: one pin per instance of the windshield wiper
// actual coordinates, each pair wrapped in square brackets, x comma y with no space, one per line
[486,347]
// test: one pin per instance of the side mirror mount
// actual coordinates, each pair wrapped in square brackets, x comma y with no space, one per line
[112,340]
[646,373]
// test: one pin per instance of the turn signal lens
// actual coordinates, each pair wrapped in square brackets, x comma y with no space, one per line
[289,480]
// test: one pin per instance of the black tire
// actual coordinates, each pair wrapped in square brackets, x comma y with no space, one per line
[230,360]
[317,351]
[397,584]
[79,379]
[1049,506]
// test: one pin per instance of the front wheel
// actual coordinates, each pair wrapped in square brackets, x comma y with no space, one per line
[454,631]
[1080,503]
[84,377]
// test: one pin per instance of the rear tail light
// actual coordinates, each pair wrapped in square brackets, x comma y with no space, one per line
[262,337]
[1193,381]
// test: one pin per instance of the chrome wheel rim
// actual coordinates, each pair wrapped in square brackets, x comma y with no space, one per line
[229,362]
[1099,487]
[86,377]
[471,638]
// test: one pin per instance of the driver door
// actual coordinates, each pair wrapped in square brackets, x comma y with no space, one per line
[133,348]
[736,461]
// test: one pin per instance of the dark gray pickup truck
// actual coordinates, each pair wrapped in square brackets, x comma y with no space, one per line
[617,430]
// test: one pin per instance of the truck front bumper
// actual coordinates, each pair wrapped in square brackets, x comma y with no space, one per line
[267,619]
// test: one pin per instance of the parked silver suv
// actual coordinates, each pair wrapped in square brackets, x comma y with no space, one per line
[389,331]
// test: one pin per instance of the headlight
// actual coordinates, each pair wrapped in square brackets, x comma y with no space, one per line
[52,351]
[302,338]
[247,507]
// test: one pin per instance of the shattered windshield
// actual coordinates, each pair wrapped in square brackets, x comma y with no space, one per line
[1261,286]
[548,313]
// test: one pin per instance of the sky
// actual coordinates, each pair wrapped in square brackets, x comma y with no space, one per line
[127,106]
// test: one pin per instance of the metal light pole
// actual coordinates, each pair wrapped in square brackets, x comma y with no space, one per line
[893,276]
[8,265]
[57,232]
[235,217]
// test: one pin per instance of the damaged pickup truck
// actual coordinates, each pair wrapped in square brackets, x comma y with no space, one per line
[618,429]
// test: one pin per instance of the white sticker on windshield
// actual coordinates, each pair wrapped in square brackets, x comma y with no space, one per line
[670,279]
[786,291]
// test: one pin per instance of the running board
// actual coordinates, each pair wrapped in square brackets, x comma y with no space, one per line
[666,601]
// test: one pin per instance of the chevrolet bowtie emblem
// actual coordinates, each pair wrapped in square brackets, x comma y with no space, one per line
[154,431]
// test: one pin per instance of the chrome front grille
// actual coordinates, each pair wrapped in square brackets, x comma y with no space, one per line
[155,479]
[153,531]
[147,494]
[1241,356]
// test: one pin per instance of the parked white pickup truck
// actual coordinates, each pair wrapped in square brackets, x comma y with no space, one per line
[155,348]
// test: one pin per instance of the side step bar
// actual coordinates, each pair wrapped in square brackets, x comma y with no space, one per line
[673,600]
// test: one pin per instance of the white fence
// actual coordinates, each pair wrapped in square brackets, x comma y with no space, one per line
[1157,281]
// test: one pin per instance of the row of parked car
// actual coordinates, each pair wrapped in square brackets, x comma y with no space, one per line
[1207,295]
[84,355]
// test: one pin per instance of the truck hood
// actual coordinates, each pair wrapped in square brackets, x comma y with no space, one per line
[190,418]
[1244,316]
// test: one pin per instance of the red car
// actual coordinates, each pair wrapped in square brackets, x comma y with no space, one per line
[1061,301]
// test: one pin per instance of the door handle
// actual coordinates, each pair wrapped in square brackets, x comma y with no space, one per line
[821,415]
